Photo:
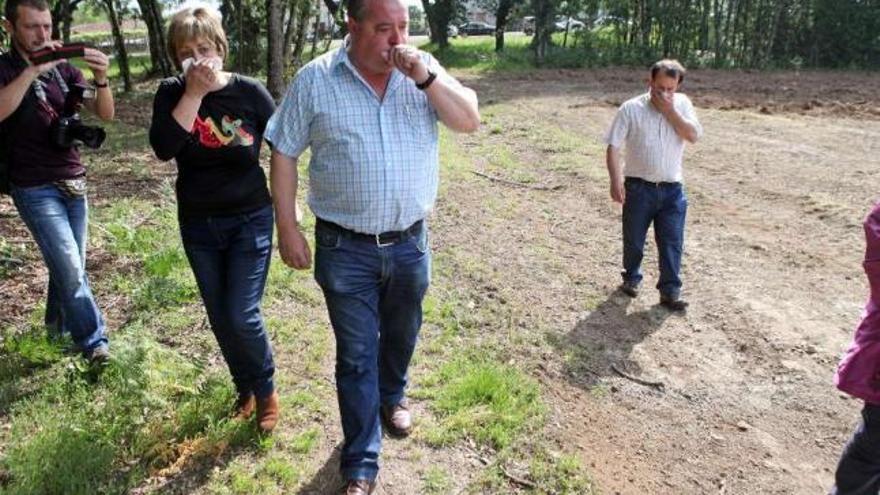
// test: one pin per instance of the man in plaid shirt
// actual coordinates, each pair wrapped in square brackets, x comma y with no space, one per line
[369,112]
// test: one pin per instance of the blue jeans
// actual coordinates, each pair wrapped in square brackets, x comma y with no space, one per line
[59,225]
[858,472]
[374,298]
[665,205]
[229,256]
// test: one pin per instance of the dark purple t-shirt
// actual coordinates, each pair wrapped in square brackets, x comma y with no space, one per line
[33,159]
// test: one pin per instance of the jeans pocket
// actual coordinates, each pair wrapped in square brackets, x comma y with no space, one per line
[421,241]
[260,224]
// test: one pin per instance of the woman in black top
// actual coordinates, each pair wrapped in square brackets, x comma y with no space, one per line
[211,122]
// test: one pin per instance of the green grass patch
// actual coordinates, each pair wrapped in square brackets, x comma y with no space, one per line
[12,257]
[483,400]
[478,53]
[90,431]
[138,65]
[435,480]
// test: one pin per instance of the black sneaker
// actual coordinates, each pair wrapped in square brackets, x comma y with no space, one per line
[673,303]
[630,288]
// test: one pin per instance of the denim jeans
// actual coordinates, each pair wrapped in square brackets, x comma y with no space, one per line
[374,298]
[229,256]
[858,472]
[59,225]
[665,205]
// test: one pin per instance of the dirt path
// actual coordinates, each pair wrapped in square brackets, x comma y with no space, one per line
[772,268]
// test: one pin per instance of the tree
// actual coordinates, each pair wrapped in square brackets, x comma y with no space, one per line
[295,35]
[119,41]
[62,17]
[440,13]
[503,10]
[544,12]
[151,13]
[275,53]
[416,19]
[242,21]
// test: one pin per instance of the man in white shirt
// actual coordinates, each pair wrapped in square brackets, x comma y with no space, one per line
[653,127]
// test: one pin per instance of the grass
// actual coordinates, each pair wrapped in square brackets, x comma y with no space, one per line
[477,54]
[483,400]
[138,65]
[160,408]
[87,432]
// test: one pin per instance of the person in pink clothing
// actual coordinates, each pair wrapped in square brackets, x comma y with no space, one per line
[858,374]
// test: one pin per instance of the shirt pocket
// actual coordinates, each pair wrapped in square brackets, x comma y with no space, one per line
[417,118]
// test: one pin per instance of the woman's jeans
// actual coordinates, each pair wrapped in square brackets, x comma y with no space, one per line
[229,256]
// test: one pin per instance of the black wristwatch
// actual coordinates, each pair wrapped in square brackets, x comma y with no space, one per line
[424,85]
[101,85]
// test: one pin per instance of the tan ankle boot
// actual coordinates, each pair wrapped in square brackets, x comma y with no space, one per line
[267,412]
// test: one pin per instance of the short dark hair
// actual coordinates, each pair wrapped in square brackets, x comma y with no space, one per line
[669,68]
[11,10]
[355,8]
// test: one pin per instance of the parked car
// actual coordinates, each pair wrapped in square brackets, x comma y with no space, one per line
[476,29]
[572,24]
[451,31]
[528,25]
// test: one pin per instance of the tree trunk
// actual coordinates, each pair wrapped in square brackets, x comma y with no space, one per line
[119,41]
[439,14]
[501,15]
[151,12]
[275,52]
[62,14]
[544,10]
[299,38]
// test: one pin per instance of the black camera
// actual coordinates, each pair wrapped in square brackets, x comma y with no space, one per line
[68,130]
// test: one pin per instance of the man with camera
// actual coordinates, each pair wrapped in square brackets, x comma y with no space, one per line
[40,95]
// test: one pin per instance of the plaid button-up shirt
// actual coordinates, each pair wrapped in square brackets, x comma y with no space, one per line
[374,164]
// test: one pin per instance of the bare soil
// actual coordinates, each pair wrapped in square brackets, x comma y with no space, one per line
[777,189]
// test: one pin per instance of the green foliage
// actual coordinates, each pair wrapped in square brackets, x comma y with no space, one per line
[11,257]
[90,431]
[484,400]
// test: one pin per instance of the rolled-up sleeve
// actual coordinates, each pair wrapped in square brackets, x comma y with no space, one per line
[288,129]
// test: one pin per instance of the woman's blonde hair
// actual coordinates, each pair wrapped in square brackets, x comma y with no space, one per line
[194,23]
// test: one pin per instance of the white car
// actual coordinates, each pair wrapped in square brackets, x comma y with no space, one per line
[570,22]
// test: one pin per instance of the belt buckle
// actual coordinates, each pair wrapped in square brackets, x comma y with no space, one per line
[381,244]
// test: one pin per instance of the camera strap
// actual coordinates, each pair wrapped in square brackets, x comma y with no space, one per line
[72,188]
[40,91]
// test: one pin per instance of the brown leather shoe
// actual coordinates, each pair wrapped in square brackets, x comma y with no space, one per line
[397,419]
[244,407]
[359,487]
[267,412]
